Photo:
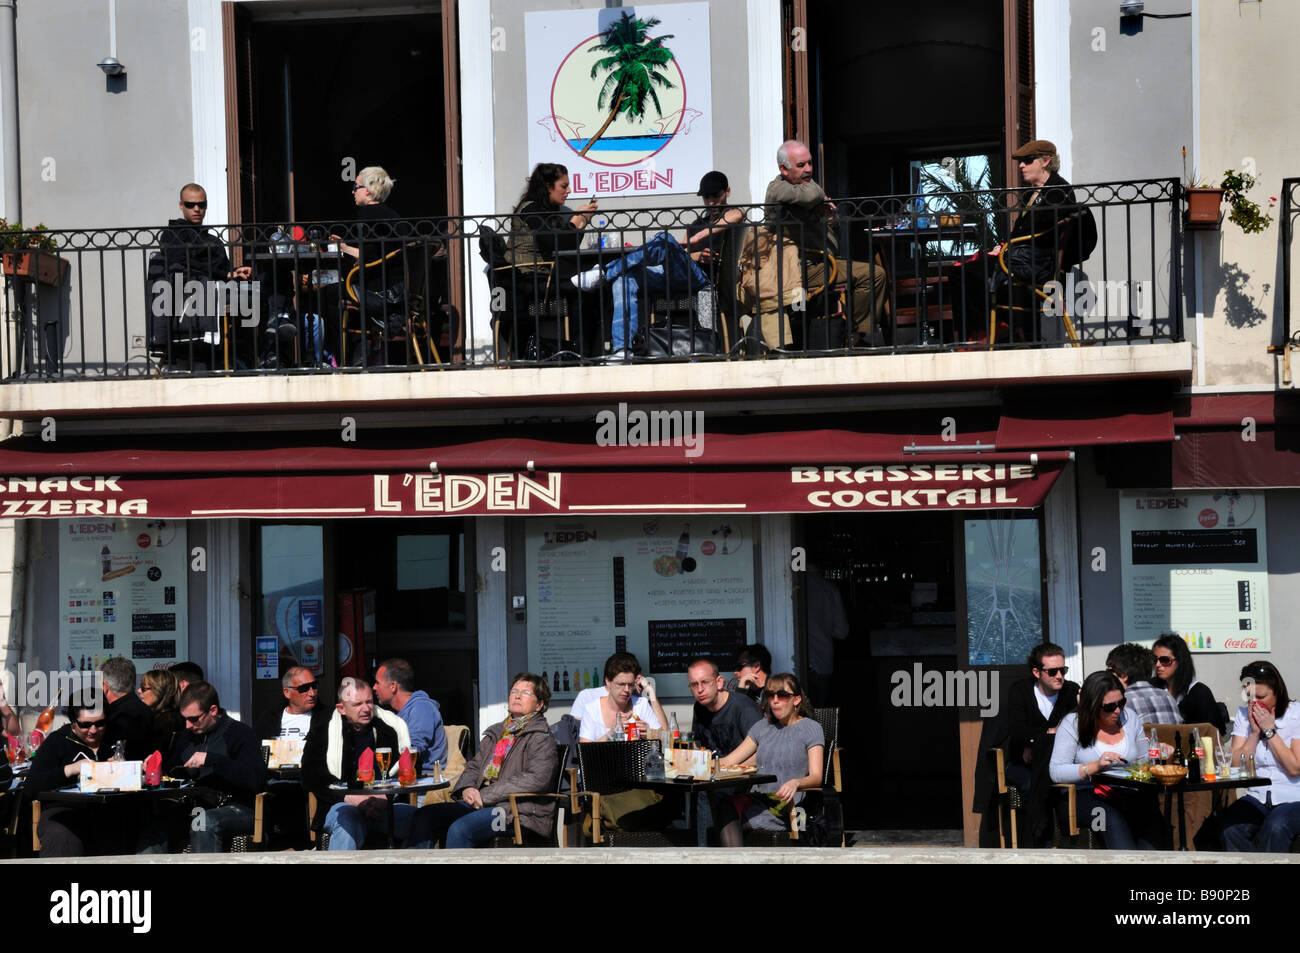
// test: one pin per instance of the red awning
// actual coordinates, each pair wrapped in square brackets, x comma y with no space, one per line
[1237,440]
[798,471]
[1081,428]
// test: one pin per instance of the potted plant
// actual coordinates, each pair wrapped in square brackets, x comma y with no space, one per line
[27,254]
[1244,213]
[1203,200]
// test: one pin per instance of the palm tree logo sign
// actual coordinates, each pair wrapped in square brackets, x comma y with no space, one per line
[621,99]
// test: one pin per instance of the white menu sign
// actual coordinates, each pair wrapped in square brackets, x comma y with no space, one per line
[667,589]
[1196,565]
[122,591]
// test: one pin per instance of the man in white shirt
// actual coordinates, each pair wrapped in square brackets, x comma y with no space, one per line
[294,720]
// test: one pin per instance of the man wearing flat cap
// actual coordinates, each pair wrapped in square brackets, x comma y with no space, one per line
[1049,235]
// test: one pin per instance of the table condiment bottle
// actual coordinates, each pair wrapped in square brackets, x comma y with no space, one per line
[1193,762]
[1178,749]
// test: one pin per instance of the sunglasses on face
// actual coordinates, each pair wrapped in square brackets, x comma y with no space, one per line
[1164,660]
[194,720]
[194,204]
[1110,707]
[780,693]
[88,725]
[1053,672]
[358,185]
[305,687]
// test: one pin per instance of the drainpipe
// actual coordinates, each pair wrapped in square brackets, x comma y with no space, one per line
[9,109]
[12,642]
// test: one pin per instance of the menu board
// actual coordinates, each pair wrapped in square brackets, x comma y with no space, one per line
[665,588]
[1196,565]
[122,591]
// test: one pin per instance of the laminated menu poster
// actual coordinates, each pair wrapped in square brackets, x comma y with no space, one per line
[665,588]
[123,586]
[1196,565]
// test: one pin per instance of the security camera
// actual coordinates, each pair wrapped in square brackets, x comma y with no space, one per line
[1131,8]
[111,66]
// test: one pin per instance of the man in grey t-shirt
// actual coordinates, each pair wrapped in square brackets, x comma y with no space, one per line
[721,719]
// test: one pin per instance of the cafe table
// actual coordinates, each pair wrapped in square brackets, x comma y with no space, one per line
[180,791]
[697,791]
[1119,778]
[391,790]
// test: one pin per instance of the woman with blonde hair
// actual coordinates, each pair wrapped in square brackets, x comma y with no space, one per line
[161,692]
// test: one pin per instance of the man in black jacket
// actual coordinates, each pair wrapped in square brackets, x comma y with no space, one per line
[67,830]
[129,719]
[1035,706]
[336,741]
[227,757]
[188,252]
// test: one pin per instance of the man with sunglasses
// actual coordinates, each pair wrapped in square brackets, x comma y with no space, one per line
[68,830]
[1035,707]
[1132,664]
[187,252]
[225,758]
[301,691]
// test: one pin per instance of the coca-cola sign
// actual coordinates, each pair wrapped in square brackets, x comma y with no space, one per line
[1250,643]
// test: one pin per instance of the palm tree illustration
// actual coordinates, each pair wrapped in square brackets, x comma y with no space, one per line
[634,63]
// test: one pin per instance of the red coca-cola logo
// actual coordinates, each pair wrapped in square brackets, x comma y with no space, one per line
[1208,518]
[143,540]
[707,547]
[1241,643]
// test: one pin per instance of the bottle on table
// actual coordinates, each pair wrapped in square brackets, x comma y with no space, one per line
[673,727]
[1178,758]
[1194,759]
[1153,748]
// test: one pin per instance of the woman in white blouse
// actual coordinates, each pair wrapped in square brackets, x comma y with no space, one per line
[1098,735]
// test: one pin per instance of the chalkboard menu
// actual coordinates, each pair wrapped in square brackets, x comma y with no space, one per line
[674,643]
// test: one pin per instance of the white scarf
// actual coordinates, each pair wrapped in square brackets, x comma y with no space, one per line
[334,741]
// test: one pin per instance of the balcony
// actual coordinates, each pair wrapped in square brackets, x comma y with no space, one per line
[929,292]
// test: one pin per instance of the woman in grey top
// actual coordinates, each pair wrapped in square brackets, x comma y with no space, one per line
[1099,735]
[790,745]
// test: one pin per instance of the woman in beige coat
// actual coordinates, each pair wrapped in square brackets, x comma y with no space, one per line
[516,756]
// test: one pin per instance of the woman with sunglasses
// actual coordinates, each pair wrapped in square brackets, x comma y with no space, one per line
[1177,672]
[1266,819]
[1098,735]
[791,745]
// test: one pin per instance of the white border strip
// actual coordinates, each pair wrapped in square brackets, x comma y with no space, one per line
[1052,79]
[478,150]
[208,104]
[766,130]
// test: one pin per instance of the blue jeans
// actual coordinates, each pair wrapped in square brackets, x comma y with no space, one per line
[347,826]
[458,825]
[219,823]
[660,266]
[1252,827]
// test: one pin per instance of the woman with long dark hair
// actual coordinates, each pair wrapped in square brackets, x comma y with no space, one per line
[1097,735]
[543,224]
[791,745]
[1177,672]
[1267,727]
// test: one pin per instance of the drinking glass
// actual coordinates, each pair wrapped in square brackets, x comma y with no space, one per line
[384,760]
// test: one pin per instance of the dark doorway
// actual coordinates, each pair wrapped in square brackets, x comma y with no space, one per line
[896,576]
[331,96]
[892,88]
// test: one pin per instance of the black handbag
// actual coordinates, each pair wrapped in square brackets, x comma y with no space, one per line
[674,340]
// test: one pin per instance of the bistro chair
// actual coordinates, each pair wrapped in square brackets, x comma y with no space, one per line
[531,306]
[1010,800]
[1070,236]
[609,770]
[457,755]
[389,319]
[556,836]
[821,805]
